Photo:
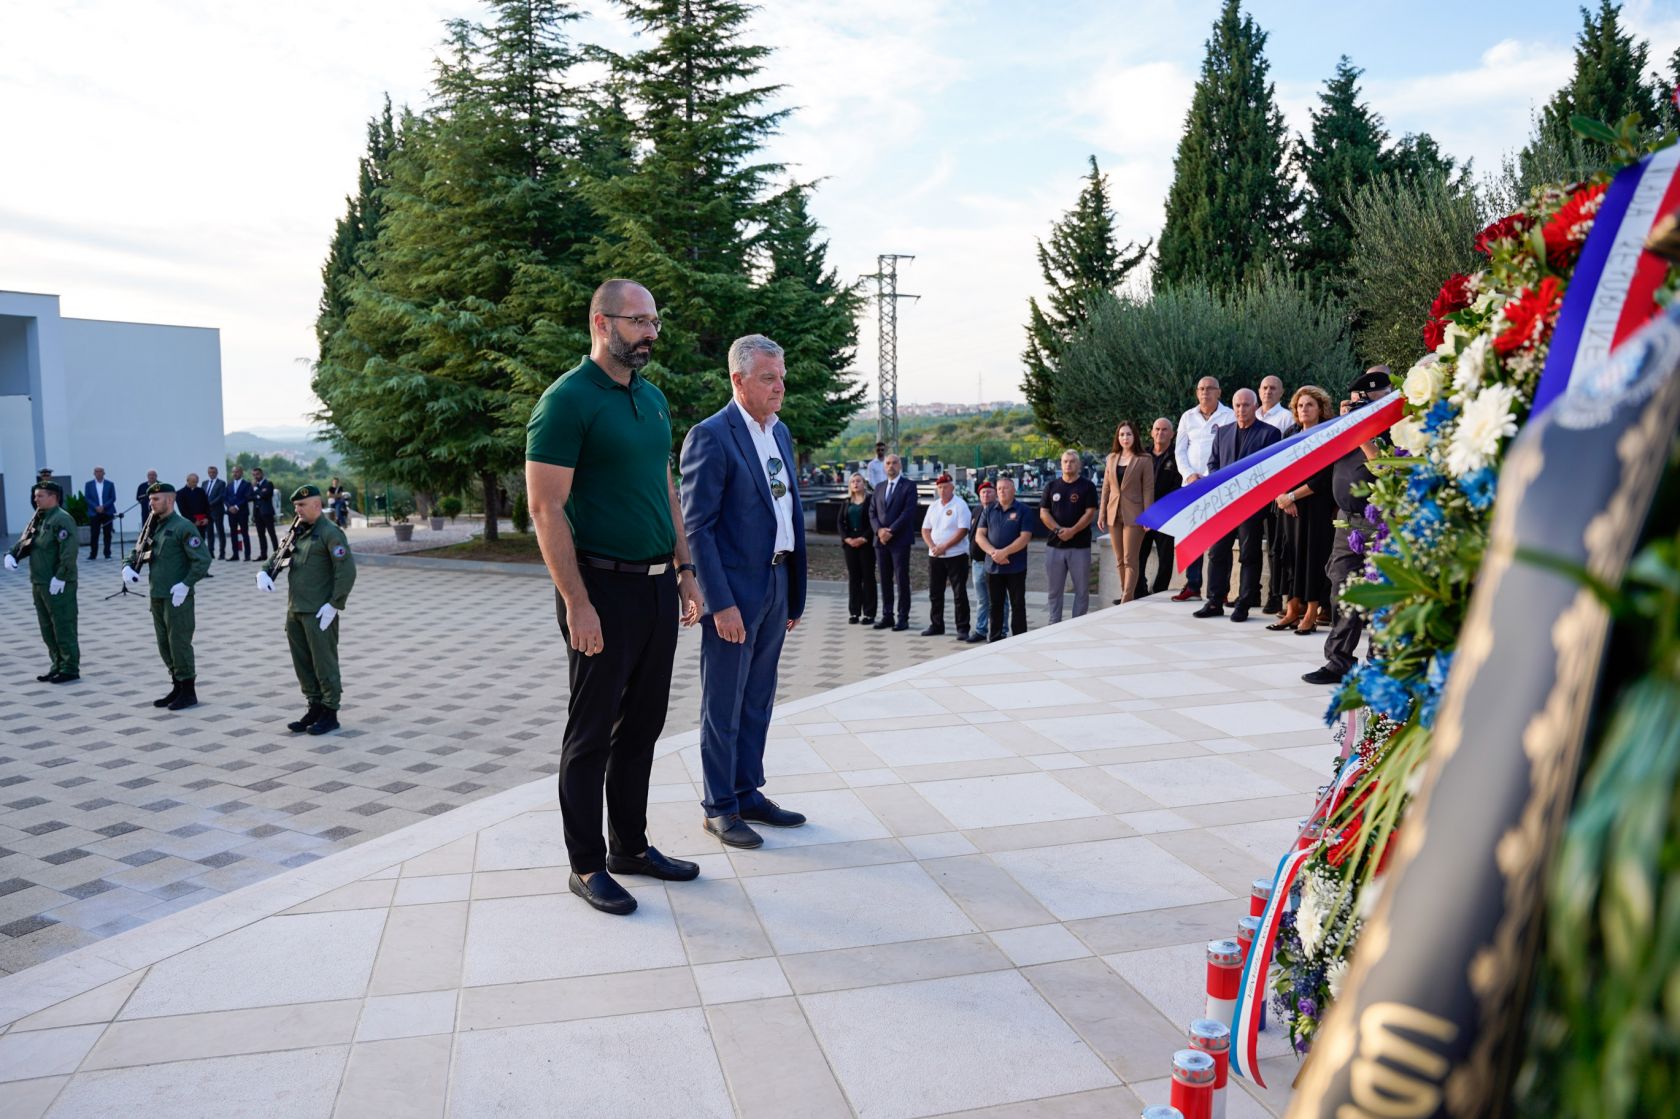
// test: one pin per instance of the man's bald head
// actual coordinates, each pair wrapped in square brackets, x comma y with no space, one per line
[609,297]
[1245,394]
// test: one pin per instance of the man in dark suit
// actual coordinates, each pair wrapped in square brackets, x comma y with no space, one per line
[262,511]
[215,493]
[746,533]
[191,503]
[101,496]
[1231,443]
[892,514]
[142,493]
[238,501]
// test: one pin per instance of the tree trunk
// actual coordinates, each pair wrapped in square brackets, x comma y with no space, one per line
[492,509]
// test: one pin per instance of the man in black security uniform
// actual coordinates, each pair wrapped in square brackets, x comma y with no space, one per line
[609,521]
[1231,443]
[262,512]
[1341,647]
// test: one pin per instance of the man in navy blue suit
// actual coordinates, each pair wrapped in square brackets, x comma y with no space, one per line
[746,534]
[101,497]
[892,514]
[1232,442]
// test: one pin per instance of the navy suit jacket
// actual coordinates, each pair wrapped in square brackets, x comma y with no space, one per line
[238,494]
[898,515]
[730,518]
[100,493]
[215,492]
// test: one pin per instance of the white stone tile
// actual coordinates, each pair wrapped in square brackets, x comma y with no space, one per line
[939,845]
[599,1066]
[1226,746]
[887,705]
[1040,944]
[1266,840]
[1146,823]
[299,1084]
[1100,732]
[740,980]
[1177,782]
[433,888]
[818,910]
[1174,978]
[1262,716]
[1099,656]
[29,1099]
[1058,761]
[713,866]
[672,794]
[786,757]
[996,1040]
[868,778]
[1109,876]
[416,1015]
[1284,673]
[32,1053]
[934,745]
[1163,685]
[98,1005]
[515,940]
[533,839]
[1212,650]
[981,718]
[1028,694]
[832,816]
[277,960]
[1011,798]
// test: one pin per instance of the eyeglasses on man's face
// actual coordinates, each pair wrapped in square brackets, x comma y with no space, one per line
[640,322]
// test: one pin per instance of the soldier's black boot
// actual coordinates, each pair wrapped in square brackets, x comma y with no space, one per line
[309,719]
[174,691]
[327,723]
[46,677]
[186,697]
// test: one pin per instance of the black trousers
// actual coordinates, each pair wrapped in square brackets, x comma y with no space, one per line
[1278,581]
[616,711]
[1161,545]
[1341,646]
[1247,538]
[239,528]
[98,523]
[893,560]
[266,537]
[1011,586]
[952,571]
[862,595]
[215,533]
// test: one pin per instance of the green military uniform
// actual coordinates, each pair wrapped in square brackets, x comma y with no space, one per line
[179,555]
[321,573]
[53,556]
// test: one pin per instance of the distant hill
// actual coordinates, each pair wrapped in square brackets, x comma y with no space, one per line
[300,444]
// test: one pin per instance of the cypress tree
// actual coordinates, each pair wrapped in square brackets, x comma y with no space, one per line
[1081,261]
[1344,153]
[1610,81]
[354,235]
[1232,204]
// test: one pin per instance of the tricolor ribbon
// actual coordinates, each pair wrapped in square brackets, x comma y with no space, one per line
[1197,515]
[1251,995]
[1612,292]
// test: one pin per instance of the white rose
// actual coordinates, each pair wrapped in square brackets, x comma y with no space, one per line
[1408,436]
[1422,384]
[1472,365]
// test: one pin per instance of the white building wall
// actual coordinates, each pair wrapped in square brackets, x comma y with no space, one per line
[140,397]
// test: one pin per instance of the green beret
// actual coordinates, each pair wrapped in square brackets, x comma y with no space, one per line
[159,487]
[53,487]
[306,491]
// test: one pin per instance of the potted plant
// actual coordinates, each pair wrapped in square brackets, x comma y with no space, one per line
[399,520]
[450,507]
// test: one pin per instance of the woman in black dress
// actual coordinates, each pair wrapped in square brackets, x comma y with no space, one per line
[859,547]
[1309,526]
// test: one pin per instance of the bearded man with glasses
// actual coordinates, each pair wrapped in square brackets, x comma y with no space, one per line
[740,506]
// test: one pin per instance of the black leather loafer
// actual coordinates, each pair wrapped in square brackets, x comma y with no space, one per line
[773,814]
[603,893]
[732,832]
[1209,609]
[1323,676]
[654,865]
[1239,613]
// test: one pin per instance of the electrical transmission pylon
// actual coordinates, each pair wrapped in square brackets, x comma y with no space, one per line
[887,296]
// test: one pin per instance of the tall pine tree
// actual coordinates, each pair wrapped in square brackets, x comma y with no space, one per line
[1610,81]
[354,235]
[1081,261]
[1344,152]
[1231,208]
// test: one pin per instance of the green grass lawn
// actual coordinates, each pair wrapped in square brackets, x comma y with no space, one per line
[512,548]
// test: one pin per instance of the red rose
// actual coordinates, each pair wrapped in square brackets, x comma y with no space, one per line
[1506,228]
[1567,230]
[1454,296]
[1434,332]
[1529,316]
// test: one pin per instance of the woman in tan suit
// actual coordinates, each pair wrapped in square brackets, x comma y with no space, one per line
[1128,489]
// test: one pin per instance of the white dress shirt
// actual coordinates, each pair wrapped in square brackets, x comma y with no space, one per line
[1195,439]
[764,442]
[1278,416]
[875,472]
[947,522]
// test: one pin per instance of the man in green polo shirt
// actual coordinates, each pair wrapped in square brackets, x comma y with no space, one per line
[179,558]
[609,522]
[52,581]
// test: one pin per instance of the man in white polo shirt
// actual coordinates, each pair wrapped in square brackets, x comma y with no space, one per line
[945,532]
[1195,442]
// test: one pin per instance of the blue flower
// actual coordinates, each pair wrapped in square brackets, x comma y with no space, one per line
[1422,483]
[1382,692]
[1479,488]
[1334,711]
[1440,414]
[1426,522]
[1435,685]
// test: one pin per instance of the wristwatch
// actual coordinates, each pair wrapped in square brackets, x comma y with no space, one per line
[688,567]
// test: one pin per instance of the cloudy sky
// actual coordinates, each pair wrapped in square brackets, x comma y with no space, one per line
[184,161]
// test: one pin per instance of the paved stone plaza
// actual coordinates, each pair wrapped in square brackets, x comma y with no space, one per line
[113,814]
[1016,855]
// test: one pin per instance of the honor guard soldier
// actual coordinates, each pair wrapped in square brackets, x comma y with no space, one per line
[49,543]
[319,574]
[179,558]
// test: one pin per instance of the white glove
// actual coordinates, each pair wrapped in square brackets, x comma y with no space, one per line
[264,583]
[326,613]
[178,594]
[55,586]
[131,576]
[11,563]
